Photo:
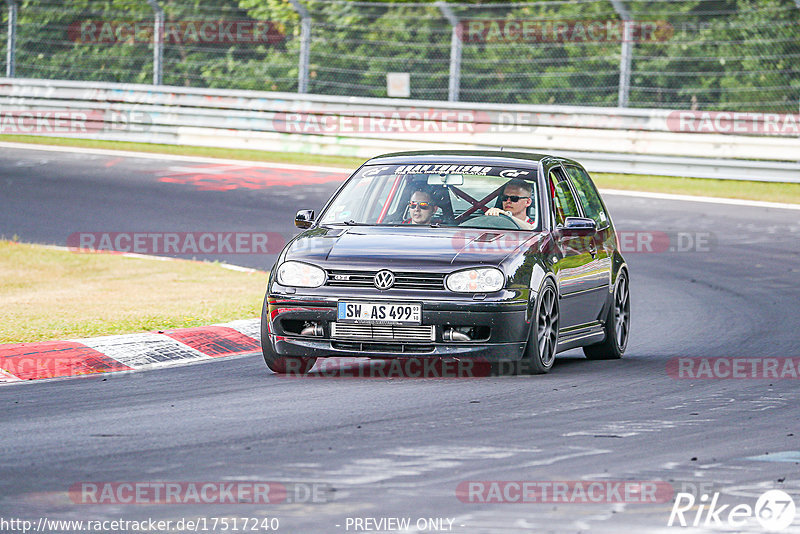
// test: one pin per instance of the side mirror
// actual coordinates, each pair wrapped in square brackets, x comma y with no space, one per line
[304,218]
[577,226]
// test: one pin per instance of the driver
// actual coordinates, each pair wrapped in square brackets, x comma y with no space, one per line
[516,198]
[421,207]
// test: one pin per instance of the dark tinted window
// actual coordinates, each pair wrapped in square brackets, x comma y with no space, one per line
[588,196]
[563,202]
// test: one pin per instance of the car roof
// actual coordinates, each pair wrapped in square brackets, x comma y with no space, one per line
[494,157]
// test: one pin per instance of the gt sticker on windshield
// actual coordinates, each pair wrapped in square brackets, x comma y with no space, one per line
[513,173]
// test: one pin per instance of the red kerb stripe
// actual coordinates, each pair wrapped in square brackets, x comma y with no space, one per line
[215,340]
[51,359]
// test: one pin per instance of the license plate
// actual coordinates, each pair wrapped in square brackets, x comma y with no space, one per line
[380,313]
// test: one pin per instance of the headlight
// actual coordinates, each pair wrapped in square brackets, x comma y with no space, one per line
[296,274]
[483,280]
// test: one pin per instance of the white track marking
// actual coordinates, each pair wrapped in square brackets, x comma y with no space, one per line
[175,157]
[710,200]
[343,171]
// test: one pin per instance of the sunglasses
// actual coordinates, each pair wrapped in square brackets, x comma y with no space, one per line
[512,198]
[421,205]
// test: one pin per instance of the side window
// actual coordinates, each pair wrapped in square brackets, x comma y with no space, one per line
[588,196]
[563,202]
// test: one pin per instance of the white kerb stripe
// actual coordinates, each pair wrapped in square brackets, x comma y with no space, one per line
[248,327]
[5,376]
[144,350]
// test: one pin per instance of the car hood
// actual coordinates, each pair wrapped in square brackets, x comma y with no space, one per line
[398,246]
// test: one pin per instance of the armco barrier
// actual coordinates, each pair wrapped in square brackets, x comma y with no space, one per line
[641,141]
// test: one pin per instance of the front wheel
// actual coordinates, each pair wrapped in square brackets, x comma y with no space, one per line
[617,327]
[296,365]
[293,365]
[540,351]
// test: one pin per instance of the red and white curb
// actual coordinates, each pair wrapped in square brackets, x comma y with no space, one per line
[129,352]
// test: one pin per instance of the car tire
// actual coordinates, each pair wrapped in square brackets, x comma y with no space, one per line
[540,351]
[296,365]
[617,324]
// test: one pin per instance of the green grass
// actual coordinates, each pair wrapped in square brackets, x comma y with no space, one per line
[55,294]
[767,191]
[771,192]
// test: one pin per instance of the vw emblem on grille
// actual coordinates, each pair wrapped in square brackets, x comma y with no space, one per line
[384,279]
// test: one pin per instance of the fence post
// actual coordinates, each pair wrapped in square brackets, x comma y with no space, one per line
[11,46]
[797,2]
[455,52]
[158,41]
[305,45]
[626,53]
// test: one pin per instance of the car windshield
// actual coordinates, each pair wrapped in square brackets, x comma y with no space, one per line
[437,195]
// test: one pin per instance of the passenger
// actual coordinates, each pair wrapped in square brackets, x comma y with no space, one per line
[516,198]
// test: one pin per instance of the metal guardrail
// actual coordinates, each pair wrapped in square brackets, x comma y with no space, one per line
[604,139]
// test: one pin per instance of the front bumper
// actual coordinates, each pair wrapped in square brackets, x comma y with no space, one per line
[505,322]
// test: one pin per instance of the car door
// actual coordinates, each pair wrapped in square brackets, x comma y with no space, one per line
[581,280]
[603,241]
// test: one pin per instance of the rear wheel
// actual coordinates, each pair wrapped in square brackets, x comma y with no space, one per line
[540,351]
[281,364]
[617,328]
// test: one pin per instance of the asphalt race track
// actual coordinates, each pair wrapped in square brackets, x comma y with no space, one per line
[48,196]
[349,449]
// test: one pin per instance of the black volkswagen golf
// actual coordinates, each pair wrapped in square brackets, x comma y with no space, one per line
[498,256]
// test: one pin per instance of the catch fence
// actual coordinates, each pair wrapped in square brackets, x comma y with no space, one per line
[735,55]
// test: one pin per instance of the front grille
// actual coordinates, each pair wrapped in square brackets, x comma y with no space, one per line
[342,278]
[357,346]
[383,332]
